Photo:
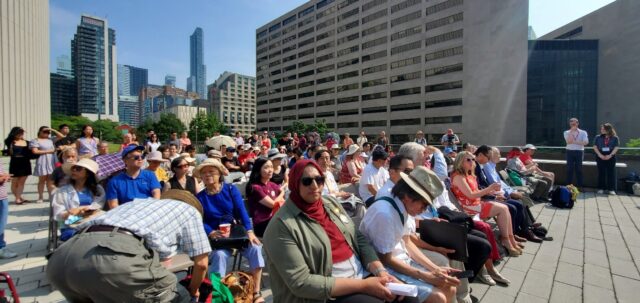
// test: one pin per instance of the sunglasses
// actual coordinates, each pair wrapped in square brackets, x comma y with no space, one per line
[306,181]
[408,171]
[469,159]
[137,158]
[77,168]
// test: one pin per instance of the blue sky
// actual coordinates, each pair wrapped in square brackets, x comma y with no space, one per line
[154,34]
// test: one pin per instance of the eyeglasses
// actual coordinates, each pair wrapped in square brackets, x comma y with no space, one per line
[77,168]
[306,181]
[137,158]
[408,170]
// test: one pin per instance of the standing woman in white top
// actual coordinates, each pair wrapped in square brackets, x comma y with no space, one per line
[87,145]
[576,139]
[153,143]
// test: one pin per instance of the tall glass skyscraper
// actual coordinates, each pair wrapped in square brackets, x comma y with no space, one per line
[131,79]
[197,72]
[94,65]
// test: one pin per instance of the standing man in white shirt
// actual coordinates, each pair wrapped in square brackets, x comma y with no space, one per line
[576,139]
[374,176]
[362,139]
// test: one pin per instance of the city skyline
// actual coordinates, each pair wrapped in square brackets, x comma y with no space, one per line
[141,46]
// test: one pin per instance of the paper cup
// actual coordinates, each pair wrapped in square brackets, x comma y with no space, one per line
[225,229]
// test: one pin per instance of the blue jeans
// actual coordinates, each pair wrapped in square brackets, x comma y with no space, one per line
[574,163]
[4,215]
[218,259]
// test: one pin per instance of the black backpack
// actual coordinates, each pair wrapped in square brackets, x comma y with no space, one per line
[561,197]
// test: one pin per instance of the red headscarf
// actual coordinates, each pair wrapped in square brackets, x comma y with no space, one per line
[340,249]
[516,152]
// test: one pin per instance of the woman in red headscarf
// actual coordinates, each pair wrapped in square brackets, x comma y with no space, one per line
[315,252]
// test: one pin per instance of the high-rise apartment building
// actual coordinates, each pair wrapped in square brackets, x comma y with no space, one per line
[63,66]
[197,70]
[64,98]
[170,80]
[131,79]
[129,110]
[616,26]
[233,100]
[156,99]
[398,66]
[24,62]
[93,59]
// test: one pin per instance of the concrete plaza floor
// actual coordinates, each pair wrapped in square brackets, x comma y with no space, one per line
[595,255]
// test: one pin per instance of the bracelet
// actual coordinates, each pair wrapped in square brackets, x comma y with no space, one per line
[379,270]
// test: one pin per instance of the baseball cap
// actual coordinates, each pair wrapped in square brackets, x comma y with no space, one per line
[130,148]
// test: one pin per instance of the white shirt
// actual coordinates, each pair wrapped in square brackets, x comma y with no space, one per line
[578,136]
[372,176]
[387,237]
[385,190]
[362,140]
[239,141]
[330,184]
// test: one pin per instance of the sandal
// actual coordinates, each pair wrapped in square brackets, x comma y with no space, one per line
[258,296]
[20,203]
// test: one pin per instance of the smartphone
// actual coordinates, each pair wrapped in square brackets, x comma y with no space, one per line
[463,274]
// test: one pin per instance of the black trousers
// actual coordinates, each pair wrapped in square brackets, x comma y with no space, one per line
[479,249]
[607,174]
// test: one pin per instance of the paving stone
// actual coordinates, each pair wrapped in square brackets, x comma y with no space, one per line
[624,268]
[516,277]
[598,276]
[537,283]
[595,294]
[521,263]
[572,256]
[569,274]
[626,289]
[594,244]
[527,298]
[564,293]
[494,296]
[596,258]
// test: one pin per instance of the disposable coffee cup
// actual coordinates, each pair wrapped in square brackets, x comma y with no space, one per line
[225,229]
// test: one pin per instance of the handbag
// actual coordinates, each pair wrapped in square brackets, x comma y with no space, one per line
[457,217]
[241,286]
[238,239]
[515,178]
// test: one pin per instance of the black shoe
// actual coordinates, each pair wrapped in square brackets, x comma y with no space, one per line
[530,236]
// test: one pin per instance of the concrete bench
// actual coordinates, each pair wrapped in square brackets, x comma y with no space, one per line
[564,162]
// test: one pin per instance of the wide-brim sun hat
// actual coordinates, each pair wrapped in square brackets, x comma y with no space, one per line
[353,148]
[245,146]
[425,182]
[183,196]
[275,154]
[335,146]
[187,157]
[208,162]
[155,156]
[86,163]
[216,154]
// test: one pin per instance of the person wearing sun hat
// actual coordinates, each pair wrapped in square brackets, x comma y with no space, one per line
[137,239]
[155,161]
[134,182]
[80,197]
[409,197]
[352,166]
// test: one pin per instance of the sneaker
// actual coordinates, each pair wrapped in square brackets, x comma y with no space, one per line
[5,253]
[485,278]
[613,193]
[600,192]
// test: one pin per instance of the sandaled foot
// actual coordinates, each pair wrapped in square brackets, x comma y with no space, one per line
[257,297]
[17,202]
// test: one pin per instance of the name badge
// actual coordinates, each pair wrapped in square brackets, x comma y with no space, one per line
[605,149]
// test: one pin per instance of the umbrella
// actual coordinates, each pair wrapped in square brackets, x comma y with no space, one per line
[216,141]
[108,164]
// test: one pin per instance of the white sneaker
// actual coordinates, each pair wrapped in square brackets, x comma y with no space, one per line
[600,192]
[485,278]
[5,253]
[613,193]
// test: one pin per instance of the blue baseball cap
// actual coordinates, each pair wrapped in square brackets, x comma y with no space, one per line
[130,148]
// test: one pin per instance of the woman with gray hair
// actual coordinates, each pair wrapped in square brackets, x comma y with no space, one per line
[413,151]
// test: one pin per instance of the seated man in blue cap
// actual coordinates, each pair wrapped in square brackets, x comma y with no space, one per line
[133,182]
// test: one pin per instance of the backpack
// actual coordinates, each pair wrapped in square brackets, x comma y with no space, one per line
[562,197]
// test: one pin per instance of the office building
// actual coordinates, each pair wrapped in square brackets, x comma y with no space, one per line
[63,66]
[24,56]
[197,70]
[397,66]
[562,82]
[616,26]
[129,110]
[184,113]
[170,80]
[233,100]
[532,34]
[131,79]
[158,99]
[64,99]
[93,59]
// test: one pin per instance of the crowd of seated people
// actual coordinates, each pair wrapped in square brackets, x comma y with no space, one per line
[294,202]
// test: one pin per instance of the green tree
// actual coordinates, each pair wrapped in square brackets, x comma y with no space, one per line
[143,128]
[205,125]
[167,124]
[632,143]
[319,126]
[105,129]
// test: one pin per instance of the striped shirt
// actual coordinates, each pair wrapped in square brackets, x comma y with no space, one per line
[165,225]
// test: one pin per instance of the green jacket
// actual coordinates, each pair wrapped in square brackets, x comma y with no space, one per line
[299,253]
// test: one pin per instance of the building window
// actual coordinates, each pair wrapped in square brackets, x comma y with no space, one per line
[374,96]
[306,32]
[406,62]
[406,18]
[348,62]
[305,42]
[324,57]
[406,33]
[376,109]
[307,73]
[406,47]
[325,80]
[275,109]
[374,29]
[288,20]
[288,98]
[442,6]
[346,3]
[288,118]
[305,53]
[324,114]
[443,21]
[325,68]
[348,124]
[306,21]
[403,5]
[444,37]
[374,69]
[443,120]
[305,116]
[443,86]
[375,42]
[348,75]
[405,92]
[443,53]
[305,84]
[443,70]
[261,34]
[374,16]
[373,56]
[374,123]
[348,26]
[320,92]
[290,107]
[325,46]
[306,11]
[347,112]
[326,102]
[405,77]
[408,106]
[288,68]
[306,95]
[305,105]
[348,14]
[415,121]
[324,24]
[443,103]
[325,13]
[325,35]
[348,38]
[288,49]
[323,3]
[288,88]
[305,63]
[372,4]
[286,59]
[347,87]
[348,50]
[375,82]
[348,99]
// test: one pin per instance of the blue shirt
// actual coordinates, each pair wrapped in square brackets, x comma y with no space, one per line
[85,197]
[608,148]
[223,207]
[125,188]
[493,177]
[439,166]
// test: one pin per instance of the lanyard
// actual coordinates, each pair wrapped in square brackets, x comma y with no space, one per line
[606,141]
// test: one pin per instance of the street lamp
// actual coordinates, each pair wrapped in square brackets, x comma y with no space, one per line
[196,126]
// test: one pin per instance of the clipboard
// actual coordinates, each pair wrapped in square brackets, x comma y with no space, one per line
[446,234]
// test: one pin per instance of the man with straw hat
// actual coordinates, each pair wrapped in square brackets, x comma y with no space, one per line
[117,256]
[409,197]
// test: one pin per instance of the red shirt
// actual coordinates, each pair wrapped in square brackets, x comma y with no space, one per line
[244,157]
[524,158]
[267,143]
